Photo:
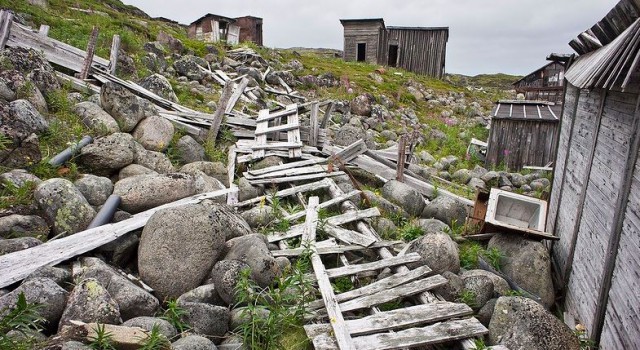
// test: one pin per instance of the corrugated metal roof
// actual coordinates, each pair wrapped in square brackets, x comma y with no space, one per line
[526,110]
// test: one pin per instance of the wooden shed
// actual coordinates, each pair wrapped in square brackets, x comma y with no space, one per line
[595,200]
[523,133]
[544,84]
[420,50]
[250,29]
[213,28]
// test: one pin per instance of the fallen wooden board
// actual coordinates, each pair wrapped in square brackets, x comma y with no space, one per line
[289,172]
[295,178]
[333,250]
[348,236]
[333,201]
[433,334]
[287,192]
[376,265]
[18,265]
[399,318]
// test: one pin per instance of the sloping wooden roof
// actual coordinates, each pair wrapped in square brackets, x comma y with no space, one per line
[536,71]
[362,20]
[216,17]
[526,110]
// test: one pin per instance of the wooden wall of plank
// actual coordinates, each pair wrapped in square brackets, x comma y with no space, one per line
[364,32]
[420,51]
[516,143]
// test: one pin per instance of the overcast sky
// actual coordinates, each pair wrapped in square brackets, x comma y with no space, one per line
[485,36]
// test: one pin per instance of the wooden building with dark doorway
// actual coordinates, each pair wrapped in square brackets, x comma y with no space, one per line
[420,50]
[213,28]
[543,84]
[250,29]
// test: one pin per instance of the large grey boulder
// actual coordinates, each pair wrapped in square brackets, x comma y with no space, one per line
[189,150]
[90,302]
[206,319]
[481,289]
[156,161]
[45,80]
[247,191]
[252,249]
[96,189]
[193,342]
[19,178]
[500,286]
[41,291]
[134,170]
[361,105]
[15,226]
[258,216]
[17,244]
[349,134]
[64,206]
[438,251]
[170,42]
[521,323]
[160,86]
[447,210]
[405,196]
[225,275]
[122,105]
[94,117]
[132,300]
[187,66]
[61,276]
[214,169]
[23,118]
[144,192]
[154,133]
[235,226]
[451,291]
[384,205]
[178,248]
[207,294]
[147,323]
[108,154]
[205,183]
[528,263]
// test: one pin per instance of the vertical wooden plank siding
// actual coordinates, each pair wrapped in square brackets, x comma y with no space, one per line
[516,143]
[420,51]
[362,32]
[603,189]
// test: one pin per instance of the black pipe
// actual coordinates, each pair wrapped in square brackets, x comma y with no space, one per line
[107,211]
[65,155]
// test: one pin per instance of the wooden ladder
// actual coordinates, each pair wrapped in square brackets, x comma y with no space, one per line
[291,127]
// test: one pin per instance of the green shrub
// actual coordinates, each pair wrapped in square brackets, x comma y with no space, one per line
[24,317]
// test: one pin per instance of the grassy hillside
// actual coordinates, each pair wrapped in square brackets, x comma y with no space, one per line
[497,81]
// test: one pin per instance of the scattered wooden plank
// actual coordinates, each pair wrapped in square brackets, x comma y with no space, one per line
[327,116]
[296,178]
[113,57]
[329,203]
[402,157]
[237,92]
[290,172]
[91,49]
[348,236]
[278,145]
[285,127]
[293,135]
[78,84]
[340,329]
[18,265]
[387,283]
[376,265]
[287,192]
[353,216]
[400,318]
[438,333]
[313,124]
[283,113]
[44,30]
[260,137]
[333,250]
[227,92]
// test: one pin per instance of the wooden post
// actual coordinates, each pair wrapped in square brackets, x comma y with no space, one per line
[401,158]
[220,111]
[313,127]
[44,30]
[327,116]
[6,19]
[91,48]
[113,57]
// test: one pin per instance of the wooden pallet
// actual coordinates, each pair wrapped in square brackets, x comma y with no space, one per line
[292,127]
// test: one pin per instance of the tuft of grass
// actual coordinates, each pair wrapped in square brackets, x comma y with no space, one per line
[215,152]
[24,317]
[468,297]
[342,284]
[173,314]
[410,232]
[11,195]
[172,151]
[469,252]
[156,341]
[103,340]
[494,257]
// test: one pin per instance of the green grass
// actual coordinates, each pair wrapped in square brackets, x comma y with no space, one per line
[23,318]
[12,196]
[470,251]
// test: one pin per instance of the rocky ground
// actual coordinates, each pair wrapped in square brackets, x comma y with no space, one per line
[192,256]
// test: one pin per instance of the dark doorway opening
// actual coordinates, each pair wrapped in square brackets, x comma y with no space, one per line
[393,55]
[362,52]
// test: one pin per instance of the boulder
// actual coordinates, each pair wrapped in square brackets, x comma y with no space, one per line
[518,180]
[258,216]
[247,191]
[361,105]
[405,196]
[189,150]
[16,226]
[207,294]
[122,105]
[170,42]
[178,248]
[478,171]
[462,176]
[134,170]
[144,192]
[438,251]
[61,276]
[64,206]
[90,302]
[17,244]
[95,189]
[521,323]
[160,86]
[206,319]
[451,291]
[475,183]
[234,224]
[19,178]
[147,323]
[23,152]
[156,161]
[95,118]
[23,118]
[349,134]
[225,275]
[485,313]
[187,66]
[193,342]
[490,178]
[528,263]
[500,286]
[540,184]
[481,288]
[154,133]
[108,154]
[154,47]
[267,162]
[384,205]
[205,183]
[44,79]
[43,291]
[121,251]
[447,210]
[214,169]
[132,300]
[252,249]
[75,345]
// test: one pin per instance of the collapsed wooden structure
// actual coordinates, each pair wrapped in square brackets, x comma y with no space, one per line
[594,200]
[543,84]
[213,28]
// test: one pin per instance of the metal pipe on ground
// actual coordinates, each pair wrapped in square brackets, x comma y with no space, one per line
[65,155]
[107,211]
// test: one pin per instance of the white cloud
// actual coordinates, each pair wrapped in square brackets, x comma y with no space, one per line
[486,36]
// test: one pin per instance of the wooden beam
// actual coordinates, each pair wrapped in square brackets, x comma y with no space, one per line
[91,49]
[18,265]
[340,330]
[113,57]
[227,91]
[327,116]
[402,157]
[313,120]
[6,20]
[332,201]
[237,92]
[376,265]
[333,249]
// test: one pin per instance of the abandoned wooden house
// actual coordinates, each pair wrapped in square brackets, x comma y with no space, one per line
[595,200]
[213,28]
[523,133]
[420,50]
[544,84]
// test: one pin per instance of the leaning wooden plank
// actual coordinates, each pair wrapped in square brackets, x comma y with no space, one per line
[91,50]
[400,318]
[433,334]
[287,192]
[296,178]
[113,57]
[227,93]
[16,266]
[6,19]
[249,157]
[278,145]
[77,84]
[326,204]
[410,288]
[340,329]
[237,92]
[376,265]
[333,250]
[293,136]
[313,124]
[289,172]
[348,236]
[260,139]
[379,286]
[285,127]
[283,113]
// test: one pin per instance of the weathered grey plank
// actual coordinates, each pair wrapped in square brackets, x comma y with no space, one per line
[333,249]
[329,203]
[295,178]
[287,192]
[376,265]
[348,236]
[289,172]
[223,102]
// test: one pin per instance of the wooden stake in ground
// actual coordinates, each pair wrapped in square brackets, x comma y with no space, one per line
[220,111]
[91,49]
[402,146]
[113,58]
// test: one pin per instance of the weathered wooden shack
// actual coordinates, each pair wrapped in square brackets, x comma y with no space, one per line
[523,133]
[544,84]
[213,28]
[250,29]
[420,50]
[595,200]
